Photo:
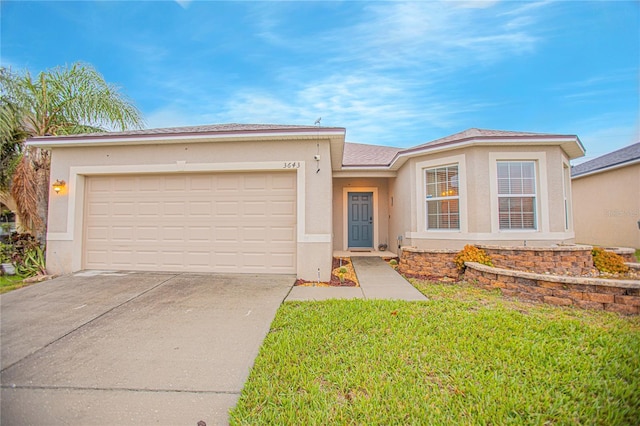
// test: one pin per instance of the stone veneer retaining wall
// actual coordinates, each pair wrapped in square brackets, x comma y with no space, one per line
[561,260]
[418,263]
[592,293]
[628,254]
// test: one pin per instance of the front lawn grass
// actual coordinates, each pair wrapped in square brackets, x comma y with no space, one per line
[11,282]
[466,356]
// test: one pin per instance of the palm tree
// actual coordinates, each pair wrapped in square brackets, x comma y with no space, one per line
[60,101]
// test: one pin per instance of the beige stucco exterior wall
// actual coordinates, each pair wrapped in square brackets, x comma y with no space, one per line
[379,187]
[314,181]
[478,198]
[607,207]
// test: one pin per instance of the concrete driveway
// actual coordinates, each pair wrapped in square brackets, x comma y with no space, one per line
[132,348]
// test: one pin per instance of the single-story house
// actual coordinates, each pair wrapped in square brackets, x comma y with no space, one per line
[606,199]
[283,199]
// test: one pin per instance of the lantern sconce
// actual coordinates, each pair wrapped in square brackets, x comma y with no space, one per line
[58,185]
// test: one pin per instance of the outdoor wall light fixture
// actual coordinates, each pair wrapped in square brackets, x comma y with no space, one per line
[58,185]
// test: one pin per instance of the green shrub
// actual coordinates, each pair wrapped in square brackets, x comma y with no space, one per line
[608,262]
[472,254]
[6,250]
[393,262]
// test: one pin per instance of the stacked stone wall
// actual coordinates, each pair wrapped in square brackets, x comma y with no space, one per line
[416,263]
[561,260]
[628,254]
[621,296]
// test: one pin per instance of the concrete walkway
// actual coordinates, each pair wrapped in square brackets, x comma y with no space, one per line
[377,281]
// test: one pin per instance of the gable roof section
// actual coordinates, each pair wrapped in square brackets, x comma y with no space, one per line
[620,158]
[475,133]
[361,155]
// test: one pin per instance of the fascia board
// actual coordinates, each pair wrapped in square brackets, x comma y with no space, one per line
[358,173]
[53,142]
[402,156]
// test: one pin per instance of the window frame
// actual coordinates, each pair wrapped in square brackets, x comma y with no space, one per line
[542,201]
[439,198]
[418,201]
[533,196]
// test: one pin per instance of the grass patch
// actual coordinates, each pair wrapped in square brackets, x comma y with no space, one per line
[638,255]
[11,282]
[465,356]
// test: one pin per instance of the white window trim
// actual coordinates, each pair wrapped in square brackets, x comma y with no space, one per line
[566,192]
[533,195]
[421,197]
[542,194]
[345,213]
[441,198]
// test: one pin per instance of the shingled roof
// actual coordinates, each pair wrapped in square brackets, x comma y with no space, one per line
[627,155]
[187,130]
[357,154]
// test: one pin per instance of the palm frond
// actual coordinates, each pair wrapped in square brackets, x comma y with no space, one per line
[24,191]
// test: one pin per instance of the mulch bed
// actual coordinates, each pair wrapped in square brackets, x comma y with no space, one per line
[350,279]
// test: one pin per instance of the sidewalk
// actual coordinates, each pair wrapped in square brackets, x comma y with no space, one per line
[377,281]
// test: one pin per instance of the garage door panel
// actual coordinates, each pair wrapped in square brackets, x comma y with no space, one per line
[122,234]
[174,184]
[174,209]
[225,234]
[283,208]
[256,209]
[172,234]
[148,233]
[282,234]
[148,184]
[231,222]
[200,209]
[148,209]
[227,208]
[172,259]
[98,233]
[99,209]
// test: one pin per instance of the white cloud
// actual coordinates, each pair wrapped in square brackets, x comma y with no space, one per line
[183,3]
[380,76]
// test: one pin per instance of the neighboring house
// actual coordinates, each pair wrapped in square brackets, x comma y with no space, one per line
[606,199]
[283,199]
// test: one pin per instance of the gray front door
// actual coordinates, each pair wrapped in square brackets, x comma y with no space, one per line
[360,219]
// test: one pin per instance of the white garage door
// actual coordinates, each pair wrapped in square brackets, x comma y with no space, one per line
[223,222]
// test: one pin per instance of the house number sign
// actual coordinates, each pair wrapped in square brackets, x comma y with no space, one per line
[292,165]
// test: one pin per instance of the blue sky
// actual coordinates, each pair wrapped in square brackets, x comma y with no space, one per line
[392,73]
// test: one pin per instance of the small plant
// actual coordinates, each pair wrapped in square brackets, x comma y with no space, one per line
[33,263]
[341,273]
[393,262]
[472,254]
[608,262]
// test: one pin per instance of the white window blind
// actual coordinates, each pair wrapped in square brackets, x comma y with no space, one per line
[517,195]
[442,197]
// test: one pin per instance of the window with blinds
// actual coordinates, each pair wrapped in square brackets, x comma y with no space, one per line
[442,198]
[517,195]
